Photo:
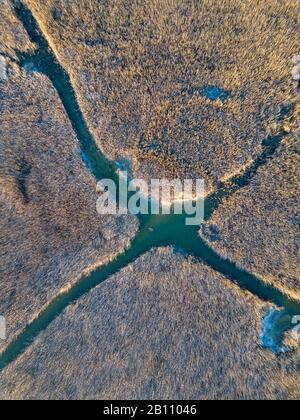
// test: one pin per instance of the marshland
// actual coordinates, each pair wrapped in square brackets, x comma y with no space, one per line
[62,123]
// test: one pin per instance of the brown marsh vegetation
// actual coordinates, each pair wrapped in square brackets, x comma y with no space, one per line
[13,37]
[164,327]
[138,68]
[258,227]
[50,230]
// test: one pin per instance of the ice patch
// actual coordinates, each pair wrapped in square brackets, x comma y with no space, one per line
[274,326]
[124,164]
[296,59]
[3,69]
[29,67]
[214,93]
[296,72]
[211,92]
[2,328]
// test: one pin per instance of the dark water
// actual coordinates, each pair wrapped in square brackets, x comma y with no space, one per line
[161,230]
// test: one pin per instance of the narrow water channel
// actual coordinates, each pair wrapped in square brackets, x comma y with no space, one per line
[155,231]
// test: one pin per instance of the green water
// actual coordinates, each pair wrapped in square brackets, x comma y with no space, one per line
[161,230]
